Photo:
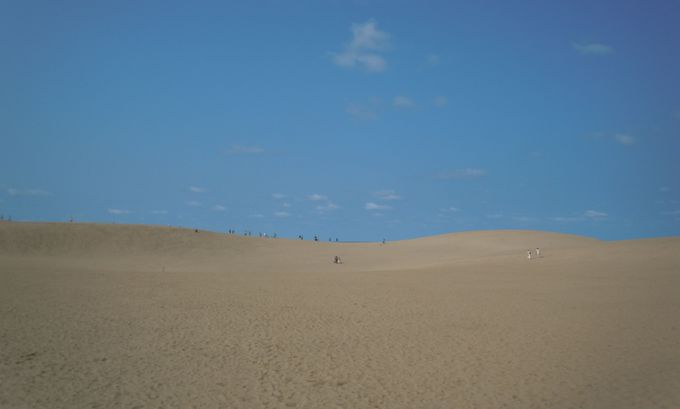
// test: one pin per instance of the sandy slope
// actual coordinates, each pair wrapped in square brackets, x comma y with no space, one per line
[138,316]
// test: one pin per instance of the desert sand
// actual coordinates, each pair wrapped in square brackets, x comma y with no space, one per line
[120,316]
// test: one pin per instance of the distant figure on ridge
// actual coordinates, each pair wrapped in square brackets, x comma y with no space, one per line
[538,252]
[337,260]
[316,238]
[529,254]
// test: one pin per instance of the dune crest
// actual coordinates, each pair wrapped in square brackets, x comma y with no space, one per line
[140,242]
[139,316]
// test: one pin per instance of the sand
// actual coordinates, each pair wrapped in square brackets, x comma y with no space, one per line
[115,316]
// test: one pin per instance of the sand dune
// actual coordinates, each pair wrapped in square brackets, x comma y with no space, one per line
[138,316]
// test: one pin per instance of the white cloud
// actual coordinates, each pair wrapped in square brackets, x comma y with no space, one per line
[281,214]
[664,189]
[594,214]
[257,216]
[433,59]
[365,48]
[245,150]
[159,212]
[197,189]
[194,203]
[286,204]
[593,49]
[568,219]
[119,211]
[278,196]
[403,102]
[447,212]
[367,110]
[315,197]
[587,215]
[329,206]
[375,206]
[219,208]
[673,213]
[441,101]
[525,219]
[363,112]
[494,216]
[624,139]
[466,173]
[27,192]
[387,194]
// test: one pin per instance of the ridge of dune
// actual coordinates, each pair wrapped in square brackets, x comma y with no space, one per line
[117,316]
[159,247]
[146,246]
[28,238]
[55,238]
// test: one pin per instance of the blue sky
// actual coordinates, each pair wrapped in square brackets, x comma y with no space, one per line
[357,120]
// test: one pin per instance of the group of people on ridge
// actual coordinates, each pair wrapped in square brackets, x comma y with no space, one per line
[530,255]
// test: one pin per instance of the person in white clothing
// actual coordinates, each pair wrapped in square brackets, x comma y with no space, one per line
[529,254]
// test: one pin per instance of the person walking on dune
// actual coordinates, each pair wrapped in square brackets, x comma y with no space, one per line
[529,254]
[538,252]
